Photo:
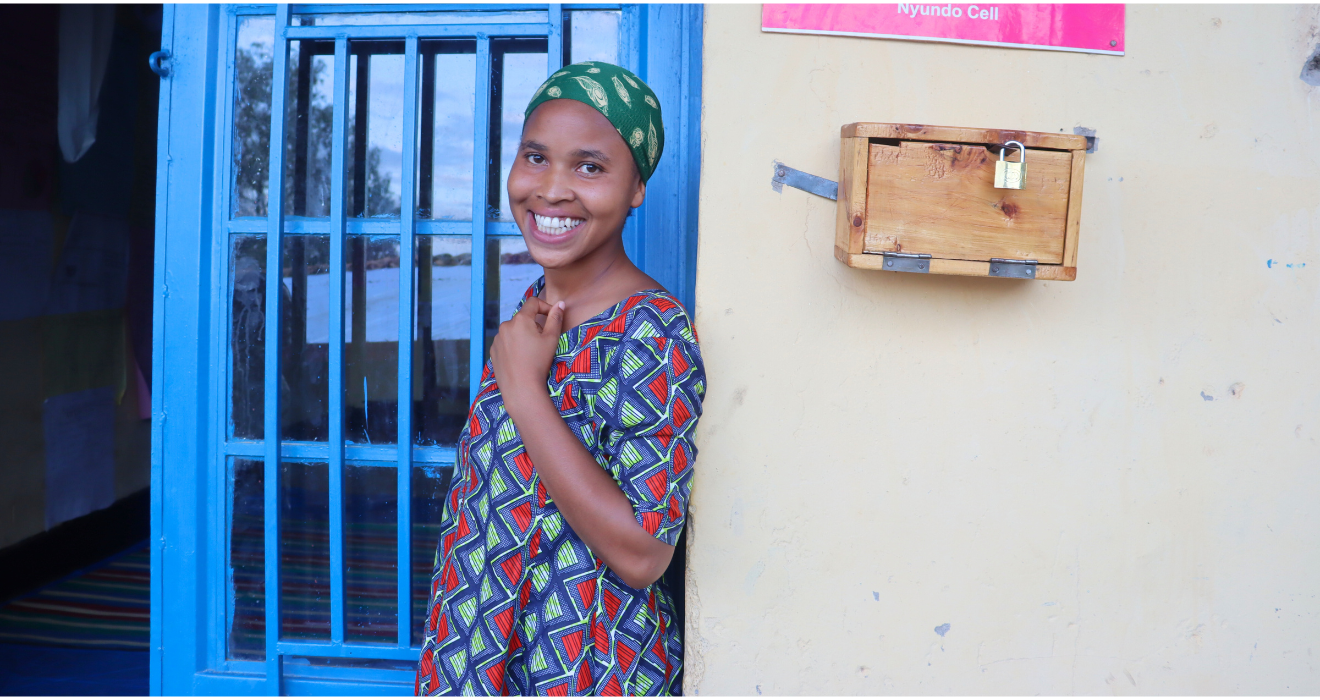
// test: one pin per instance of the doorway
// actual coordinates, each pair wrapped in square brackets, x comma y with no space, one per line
[376,190]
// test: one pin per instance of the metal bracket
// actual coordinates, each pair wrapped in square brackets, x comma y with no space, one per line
[1019,269]
[907,262]
[1092,141]
[806,182]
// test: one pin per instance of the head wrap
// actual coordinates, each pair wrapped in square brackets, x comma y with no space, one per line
[621,97]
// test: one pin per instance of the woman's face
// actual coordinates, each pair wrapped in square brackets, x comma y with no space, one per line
[572,183]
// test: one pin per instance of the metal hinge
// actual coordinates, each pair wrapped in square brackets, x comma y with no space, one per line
[806,182]
[908,262]
[1020,269]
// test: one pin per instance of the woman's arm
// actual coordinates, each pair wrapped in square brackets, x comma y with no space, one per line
[592,503]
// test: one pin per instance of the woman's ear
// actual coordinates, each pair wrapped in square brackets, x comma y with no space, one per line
[639,195]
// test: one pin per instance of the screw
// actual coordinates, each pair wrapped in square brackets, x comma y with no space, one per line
[889,263]
[994,270]
[783,173]
[1113,42]
[921,266]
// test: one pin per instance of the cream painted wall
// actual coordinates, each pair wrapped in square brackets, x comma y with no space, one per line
[1103,486]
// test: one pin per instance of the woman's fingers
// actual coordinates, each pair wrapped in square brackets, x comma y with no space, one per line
[554,320]
[533,307]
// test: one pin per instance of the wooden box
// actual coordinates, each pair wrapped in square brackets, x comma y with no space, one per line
[916,198]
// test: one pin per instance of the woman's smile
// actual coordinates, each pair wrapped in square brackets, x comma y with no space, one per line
[553,229]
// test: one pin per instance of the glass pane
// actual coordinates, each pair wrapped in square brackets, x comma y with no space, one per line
[304,363]
[308,128]
[448,162]
[398,18]
[430,486]
[594,36]
[440,353]
[371,557]
[304,550]
[305,352]
[376,142]
[510,270]
[247,335]
[253,66]
[523,73]
[517,272]
[371,339]
[247,547]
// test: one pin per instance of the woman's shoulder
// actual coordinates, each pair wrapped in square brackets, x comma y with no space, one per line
[654,313]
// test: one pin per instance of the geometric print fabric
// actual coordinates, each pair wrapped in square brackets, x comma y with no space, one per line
[519,605]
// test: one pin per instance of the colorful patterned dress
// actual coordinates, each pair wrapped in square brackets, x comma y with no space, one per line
[519,605]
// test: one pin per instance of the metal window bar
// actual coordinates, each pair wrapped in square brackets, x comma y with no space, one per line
[480,175]
[407,263]
[274,266]
[425,31]
[338,231]
[320,452]
[373,227]
[555,41]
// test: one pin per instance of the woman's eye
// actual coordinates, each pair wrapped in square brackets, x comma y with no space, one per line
[535,159]
[589,168]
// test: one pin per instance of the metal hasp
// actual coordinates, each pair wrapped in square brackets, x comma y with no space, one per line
[1018,269]
[806,182]
[907,262]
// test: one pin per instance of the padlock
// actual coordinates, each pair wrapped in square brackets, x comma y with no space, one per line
[1010,175]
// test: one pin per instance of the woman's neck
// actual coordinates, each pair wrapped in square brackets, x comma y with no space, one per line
[595,282]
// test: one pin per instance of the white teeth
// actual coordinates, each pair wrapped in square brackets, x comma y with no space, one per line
[556,225]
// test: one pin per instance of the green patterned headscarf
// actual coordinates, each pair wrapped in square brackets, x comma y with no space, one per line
[621,97]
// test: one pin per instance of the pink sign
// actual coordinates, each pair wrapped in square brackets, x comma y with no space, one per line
[1084,28]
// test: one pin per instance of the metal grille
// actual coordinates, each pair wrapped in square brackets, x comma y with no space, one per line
[316,199]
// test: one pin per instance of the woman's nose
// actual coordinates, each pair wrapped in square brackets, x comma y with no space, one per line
[556,187]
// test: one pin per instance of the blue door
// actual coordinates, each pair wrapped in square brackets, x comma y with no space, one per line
[305,427]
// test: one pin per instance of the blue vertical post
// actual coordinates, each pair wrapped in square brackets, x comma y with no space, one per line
[156,682]
[693,31]
[338,163]
[480,178]
[554,41]
[632,42]
[407,245]
[274,279]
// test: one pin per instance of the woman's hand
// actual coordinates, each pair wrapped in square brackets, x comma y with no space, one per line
[524,349]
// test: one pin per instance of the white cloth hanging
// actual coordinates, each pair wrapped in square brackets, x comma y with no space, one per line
[85,34]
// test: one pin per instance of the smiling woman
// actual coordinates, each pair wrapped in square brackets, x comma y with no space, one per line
[575,464]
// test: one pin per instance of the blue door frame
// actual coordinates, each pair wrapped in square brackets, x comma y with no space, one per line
[190,442]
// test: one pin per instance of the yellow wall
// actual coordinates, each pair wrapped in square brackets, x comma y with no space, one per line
[1103,486]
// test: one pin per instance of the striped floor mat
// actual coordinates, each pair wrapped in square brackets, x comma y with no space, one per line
[104,607]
